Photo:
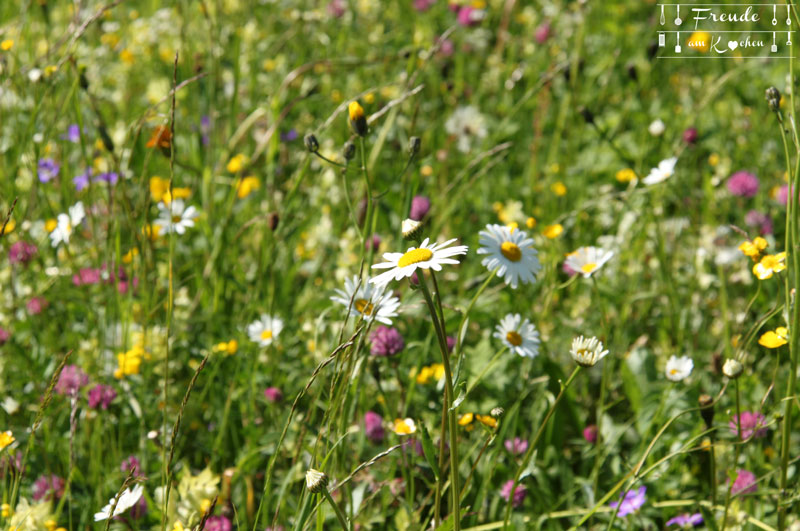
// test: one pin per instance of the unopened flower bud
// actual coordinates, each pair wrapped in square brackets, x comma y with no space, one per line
[358,120]
[414,144]
[773,97]
[497,412]
[316,481]
[273,218]
[349,150]
[411,229]
[311,143]
[732,369]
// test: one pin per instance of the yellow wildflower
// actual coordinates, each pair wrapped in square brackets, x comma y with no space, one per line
[553,231]
[246,186]
[559,188]
[236,163]
[158,187]
[6,45]
[774,339]
[404,426]
[769,265]
[626,175]
[6,438]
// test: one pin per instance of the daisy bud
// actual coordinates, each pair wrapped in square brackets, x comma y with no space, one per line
[586,352]
[773,97]
[706,409]
[414,144]
[311,143]
[316,481]
[349,150]
[732,369]
[411,229]
[358,120]
[497,412]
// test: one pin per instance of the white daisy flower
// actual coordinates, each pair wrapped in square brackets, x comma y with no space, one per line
[519,336]
[586,352]
[369,300]
[66,224]
[587,260]
[176,217]
[127,499]
[679,368]
[264,330]
[665,170]
[403,265]
[511,253]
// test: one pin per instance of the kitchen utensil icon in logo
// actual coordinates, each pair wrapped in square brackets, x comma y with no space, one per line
[774,46]
[678,20]
[663,20]
[662,40]
[677,42]
[774,14]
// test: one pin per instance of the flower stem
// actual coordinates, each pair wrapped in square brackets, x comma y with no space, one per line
[449,399]
[735,459]
[339,514]
[534,442]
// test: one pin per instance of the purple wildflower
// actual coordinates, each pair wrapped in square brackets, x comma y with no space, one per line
[373,426]
[686,520]
[289,135]
[48,488]
[451,343]
[273,394]
[590,433]
[82,181]
[690,136]
[218,523]
[743,184]
[132,465]
[73,134]
[87,275]
[373,243]
[783,194]
[469,16]
[22,252]
[109,177]
[753,424]
[745,482]
[516,446]
[423,5]
[101,396]
[205,128]
[386,341]
[763,222]
[337,8]
[420,206]
[542,33]
[71,379]
[36,305]
[630,502]
[5,335]
[519,492]
[48,170]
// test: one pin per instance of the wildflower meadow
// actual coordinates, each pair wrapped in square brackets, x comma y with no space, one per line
[412,264]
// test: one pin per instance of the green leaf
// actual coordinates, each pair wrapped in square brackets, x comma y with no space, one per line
[428,449]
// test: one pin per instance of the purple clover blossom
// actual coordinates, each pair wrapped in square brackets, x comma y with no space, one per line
[745,482]
[542,33]
[5,335]
[516,446]
[630,502]
[420,206]
[423,5]
[82,181]
[386,341]
[218,523]
[22,252]
[686,520]
[132,465]
[73,134]
[761,221]
[519,492]
[753,425]
[71,379]
[101,396]
[273,394]
[783,194]
[743,184]
[47,170]
[373,427]
[47,488]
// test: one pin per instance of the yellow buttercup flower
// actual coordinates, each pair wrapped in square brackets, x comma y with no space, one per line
[6,438]
[466,419]
[713,159]
[9,226]
[50,225]
[626,175]
[769,265]
[177,193]
[228,347]
[236,163]
[530,222]
[553,231]
[129,363]
[753,248]
[246,186]
[5,510]
[6,45]
[559,188]
[404,426]
[774,339]
[487,420]
[127,258]
[158,187]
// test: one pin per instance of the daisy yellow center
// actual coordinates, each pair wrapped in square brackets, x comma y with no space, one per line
[266,334]
[363,306]
[176,219]
[514,338]
[511,251]
[673,371]
[588,268]
[415,256]
[582,352]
